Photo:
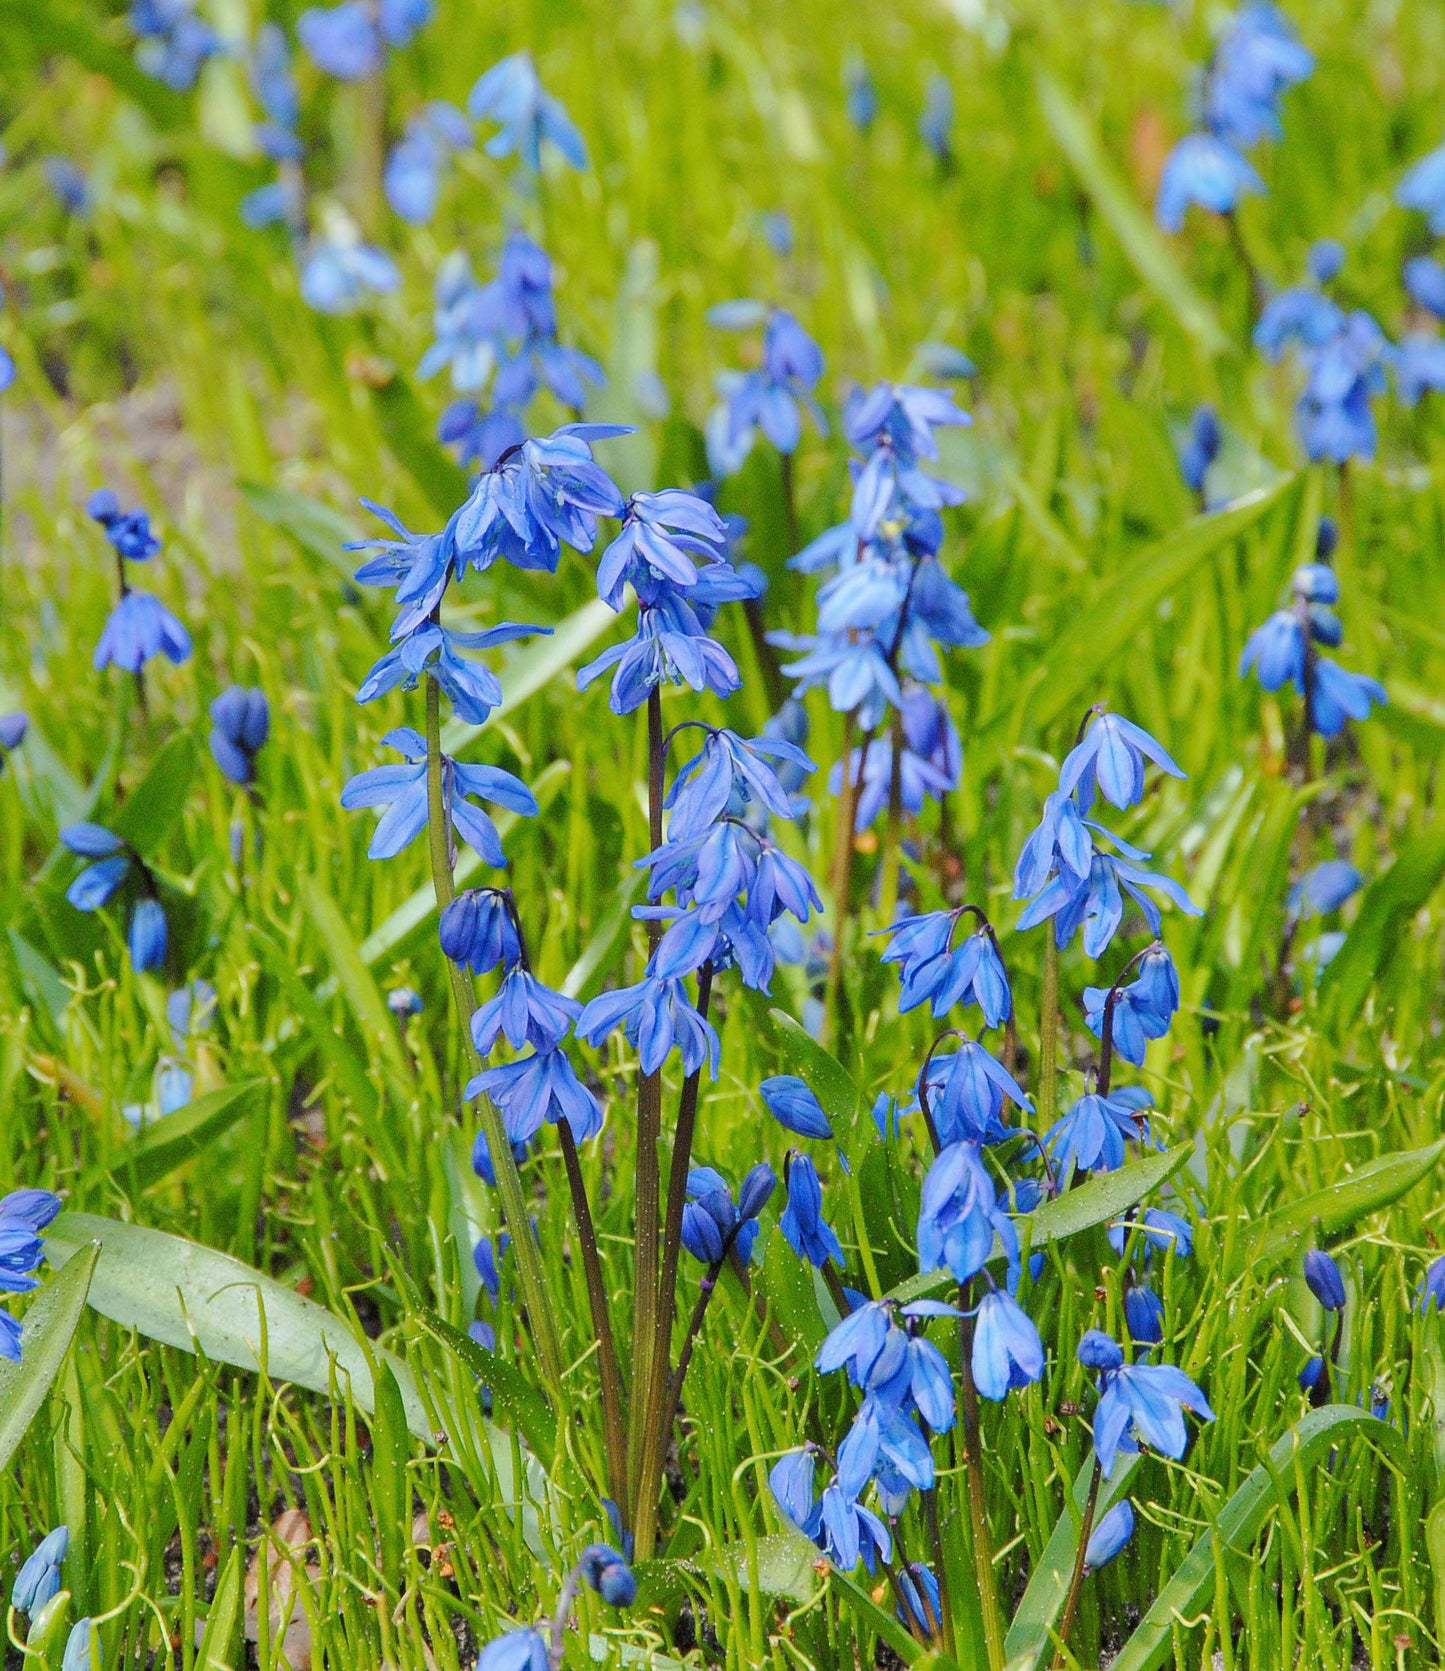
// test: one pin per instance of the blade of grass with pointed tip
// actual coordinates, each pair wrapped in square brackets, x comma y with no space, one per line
[170,1142]
[1381,928]
[1140,239]
[49,1328]
[313,525]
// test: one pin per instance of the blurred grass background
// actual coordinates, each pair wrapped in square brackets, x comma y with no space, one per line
[164,349]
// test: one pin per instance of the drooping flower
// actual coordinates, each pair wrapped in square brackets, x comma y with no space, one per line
[1138,1401]
[1007,1351]
[794,1106]
[1111,1532]
[1423,188]
[338,274]
[1207,170]
[38,1580]
[114,860]
[528,117]
[1325,1282]
[1093,1133]
[1199,448]
[174,42]
[770,399]
[413,172]
[802,1223]
[959,1216]
[1113,755]
[607,1572]
[518,1650]
[539,1088]
[240,724]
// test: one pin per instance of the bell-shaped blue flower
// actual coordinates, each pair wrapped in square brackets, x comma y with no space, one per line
[38,1580]
[1007,1351]
[528,117]
[478,932]
[959,1216]
[1206,170]
[1111,1532]
[139,628]
[793,1105]
[1325,1282]
[240,724]
[524,1012]
[536,1088]
[807,1232]
[1139,1401]
[1113,754]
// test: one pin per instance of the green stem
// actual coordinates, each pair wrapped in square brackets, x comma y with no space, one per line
[645,1196]
[1076,1583]
[1049,1029]
[509,1181]
[613,1430]
[989,1608]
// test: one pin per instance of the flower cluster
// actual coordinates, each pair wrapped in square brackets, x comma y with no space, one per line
[24,1213]
[413,174]
[140,626]
[1284,649]
[349,42]
[500,339]
[771,398]
[174,42]
[889,605]
[1257,58]
[527,116]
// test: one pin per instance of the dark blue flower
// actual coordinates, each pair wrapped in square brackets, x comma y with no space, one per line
[1007,1351]
[1144,1313]
[1325,1282]
[1060,843]
[933,971]
[883,1438]
[1276,651]
[791,1482]
[1432,1287]
[806,1230]
[736,775]
[240,724]
[128,531]
[966,1091]
[38,1580]
[1160,1231]
[1199,448]
[482,1157]
[478,932]
[849,1532]
[662,536]
[402,790]
[862,95]
[146,936]
[1096,905]
[68,184]
[1202,169]
[1112,1531]
[473,689]
[794,1106]
[959,1215]
[511,94]
[606,1571]
[533,1089]
[1138,1401]
[1142,1010]
[670,646]
[485,1255]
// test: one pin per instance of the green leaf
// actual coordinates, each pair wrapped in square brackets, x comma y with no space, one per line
[1292,1456]
[1381,930]
[515,1401]
[787,1285]
[391,1491]
[50,1326]
[826,1077]
[153,807]
[196,1299]
[876,1619]
[785,1565]
[1095,1202]
[1101,633]
[218,1645]
[377,1023]
[1028,1635]
[1141,240]
[315,527]
[1376,1185]
[410,436]
[182,1136]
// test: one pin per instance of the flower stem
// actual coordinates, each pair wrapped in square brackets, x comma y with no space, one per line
[509,1182]
[842,876]
[645,1197]
[673,1394]
[940,1567]
[1076,1583]
[1049,1029]
[613,1431]
[989,1608]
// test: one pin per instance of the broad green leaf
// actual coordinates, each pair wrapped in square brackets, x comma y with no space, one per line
[192,1297]
[826,1077]
[1241,1518]
[182,1136]
[1038,1613]
[516,1402]
[377,1023]
[153,807]
[876,1618]
[1382,927]
[785,1565]
[391,1491]
[49,1328]
[526,670]
[787,1286]
[314,526]
[1141,240]
[1096,1202]
[1375,1185]
[1101,633]
[218,1645]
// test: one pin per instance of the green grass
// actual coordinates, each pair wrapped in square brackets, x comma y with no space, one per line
[163,348]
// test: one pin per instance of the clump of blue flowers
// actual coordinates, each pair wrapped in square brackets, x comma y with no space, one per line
[24,1214]
[773,397]
[140,627]
[113,862]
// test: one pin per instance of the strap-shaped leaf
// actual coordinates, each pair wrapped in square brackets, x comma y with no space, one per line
[50,1326]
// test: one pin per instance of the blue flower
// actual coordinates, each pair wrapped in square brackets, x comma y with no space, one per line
[1060,843]
[1301,315]
[733,774]
[1110,1534]
[338,275]
[68,184]
[935,126]
[482,1158]
[240,724]
[791,1482]
[927,727]
[1200,447]
[1322,1275]
[275,87]
[1423,188]
[959,1215]
[38,1580]
[1258,58]
[966,1090]
[174,42]
[1138,1401]
[712,1222]
[128,531]
[1093,1133]
[1113,755]
[1276,651]
[535,1088]
[607,1572]
[94,886]
[932,971]
[1097,904]
[794,1106]
[478,932]
[139,628]
[473,689]
[1007,1351]
[402,790]
[146,936]
[1142,1010]
[662,534]
[518,1650]
[901,418]
[1206,170]
[772,397]
[511,94]
[1161,1232]
[1337,695]
[412,177]
[848,1532]
[670,646]
[656,1016]
[1333,412]
[922,1605]
[806,1230]
[12,733]
[1144,1313]
[1432,1287]
[524,1012]
[342,41]
[1324,888]
[79,1654]
[862,95]
[882,1436]
[1419,366]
